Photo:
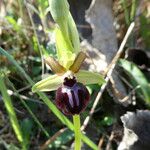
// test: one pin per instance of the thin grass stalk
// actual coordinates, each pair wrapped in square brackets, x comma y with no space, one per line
[12,115]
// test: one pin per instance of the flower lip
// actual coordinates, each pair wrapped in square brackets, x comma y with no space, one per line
[72,100]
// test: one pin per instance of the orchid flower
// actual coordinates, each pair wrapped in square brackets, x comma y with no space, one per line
[72,96]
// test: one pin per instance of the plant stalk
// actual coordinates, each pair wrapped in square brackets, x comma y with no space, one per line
[77,131]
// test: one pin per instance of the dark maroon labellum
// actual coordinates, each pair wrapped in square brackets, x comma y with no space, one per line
[72,97]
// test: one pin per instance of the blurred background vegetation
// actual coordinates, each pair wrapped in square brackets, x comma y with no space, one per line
[26,32]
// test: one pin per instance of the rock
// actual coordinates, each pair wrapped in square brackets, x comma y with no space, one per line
[136,131]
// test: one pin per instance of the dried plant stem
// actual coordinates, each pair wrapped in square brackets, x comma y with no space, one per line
[108,75]
[77,131]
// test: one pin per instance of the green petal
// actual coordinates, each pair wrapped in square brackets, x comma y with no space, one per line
[87,77]
[48,84]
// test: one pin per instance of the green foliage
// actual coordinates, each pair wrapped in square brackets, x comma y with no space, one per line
[30,112]
[144,30]
[64,49]
[42,6]
[11,113]
[138,78]
[129,12]
[107,121]
[26,127]
[14,23]
[67,38]
[126,12]
[62,140]
[59,10]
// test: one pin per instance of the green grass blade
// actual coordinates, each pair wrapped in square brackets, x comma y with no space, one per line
[18,67]
[46,100]
[137,77]
[11,112]
[89,142]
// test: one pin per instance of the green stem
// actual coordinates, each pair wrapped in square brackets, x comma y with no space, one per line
[133,10]
[77,131]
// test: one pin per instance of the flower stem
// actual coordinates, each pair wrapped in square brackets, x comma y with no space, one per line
[77,131]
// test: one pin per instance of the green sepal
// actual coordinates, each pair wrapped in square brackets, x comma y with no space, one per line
[50,83]
[87,77]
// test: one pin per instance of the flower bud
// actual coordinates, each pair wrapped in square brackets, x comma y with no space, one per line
[72,97]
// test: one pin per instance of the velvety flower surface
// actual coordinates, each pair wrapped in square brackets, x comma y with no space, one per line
[72,97]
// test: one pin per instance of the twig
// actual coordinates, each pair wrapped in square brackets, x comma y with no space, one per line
[101,141]
[108,147]
[108,75]
[45,145]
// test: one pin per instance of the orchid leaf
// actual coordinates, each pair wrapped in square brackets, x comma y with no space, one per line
[65,52]
[73,34]
[67,38]
[50,83]
[59,10]
[87,77]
